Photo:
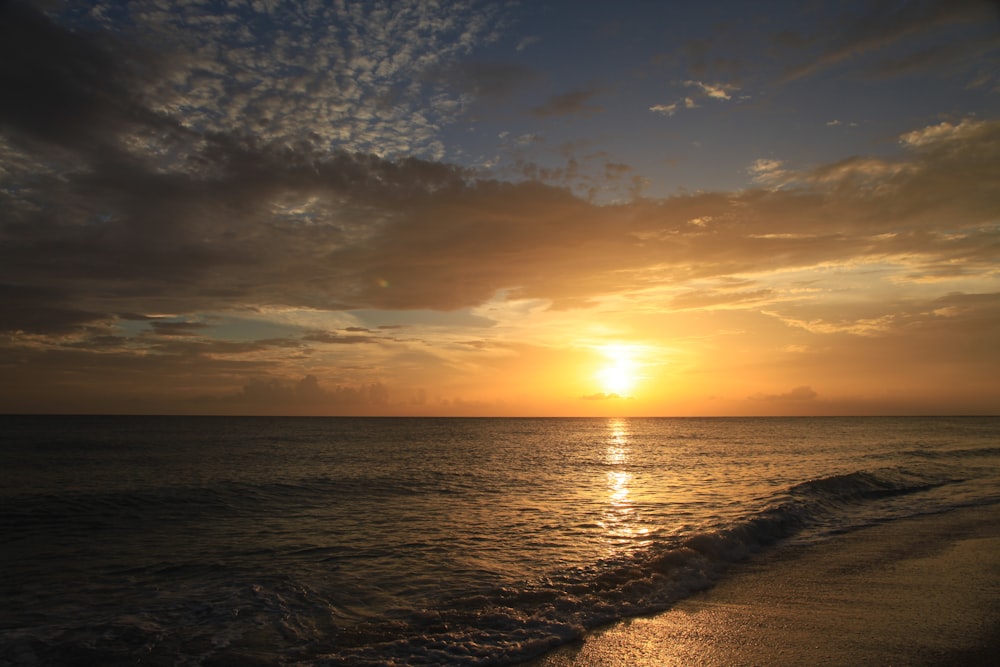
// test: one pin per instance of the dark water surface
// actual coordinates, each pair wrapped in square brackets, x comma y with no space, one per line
[216,540]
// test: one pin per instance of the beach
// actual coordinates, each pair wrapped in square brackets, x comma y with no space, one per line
[920,591]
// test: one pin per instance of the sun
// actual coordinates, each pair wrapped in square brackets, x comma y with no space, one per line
[616,379]
[620,376]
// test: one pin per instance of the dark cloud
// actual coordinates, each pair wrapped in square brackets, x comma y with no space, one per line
[66,88]
[359,232]
[191,349]
[42,310]
[362,232]
[334,338]
[167,328]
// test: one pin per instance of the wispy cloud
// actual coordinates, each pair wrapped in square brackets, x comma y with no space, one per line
[718,92]
[944,133]
[665,109]
[881,25]
[526,42]
[715,91]
[768,171]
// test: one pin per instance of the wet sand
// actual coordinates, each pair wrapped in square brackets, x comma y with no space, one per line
[922,591]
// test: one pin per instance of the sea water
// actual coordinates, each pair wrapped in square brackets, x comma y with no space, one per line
[345,541]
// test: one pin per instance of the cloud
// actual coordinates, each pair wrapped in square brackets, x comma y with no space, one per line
[167,328]
[347,77]
[528,138]
[708,299]
[947,132]
[614,171]
[371,233]
[881,26]
[574,102]
[768,171]
[526,42]
[765,166]
[715,91]
[665,109]
[872,326]
[158,227]
[64,89]
[334,338]
[940,58]
[37,309]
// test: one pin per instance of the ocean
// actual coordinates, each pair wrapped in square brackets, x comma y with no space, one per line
[353,541]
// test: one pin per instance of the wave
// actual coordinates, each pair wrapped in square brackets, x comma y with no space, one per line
[952,454]
[512,624]
[285,620]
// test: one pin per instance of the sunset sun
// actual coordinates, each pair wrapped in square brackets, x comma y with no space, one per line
[620,375]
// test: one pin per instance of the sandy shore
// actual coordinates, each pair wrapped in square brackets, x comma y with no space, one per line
[923,591]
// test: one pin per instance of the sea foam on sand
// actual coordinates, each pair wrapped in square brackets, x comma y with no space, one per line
[920,591]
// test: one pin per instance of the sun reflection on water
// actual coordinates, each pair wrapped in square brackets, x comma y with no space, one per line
[617,452]
[619,516]
[618,483]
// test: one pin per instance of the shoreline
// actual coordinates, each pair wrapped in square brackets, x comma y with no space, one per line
[918,591]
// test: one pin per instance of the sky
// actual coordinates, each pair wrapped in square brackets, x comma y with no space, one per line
[550,208]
